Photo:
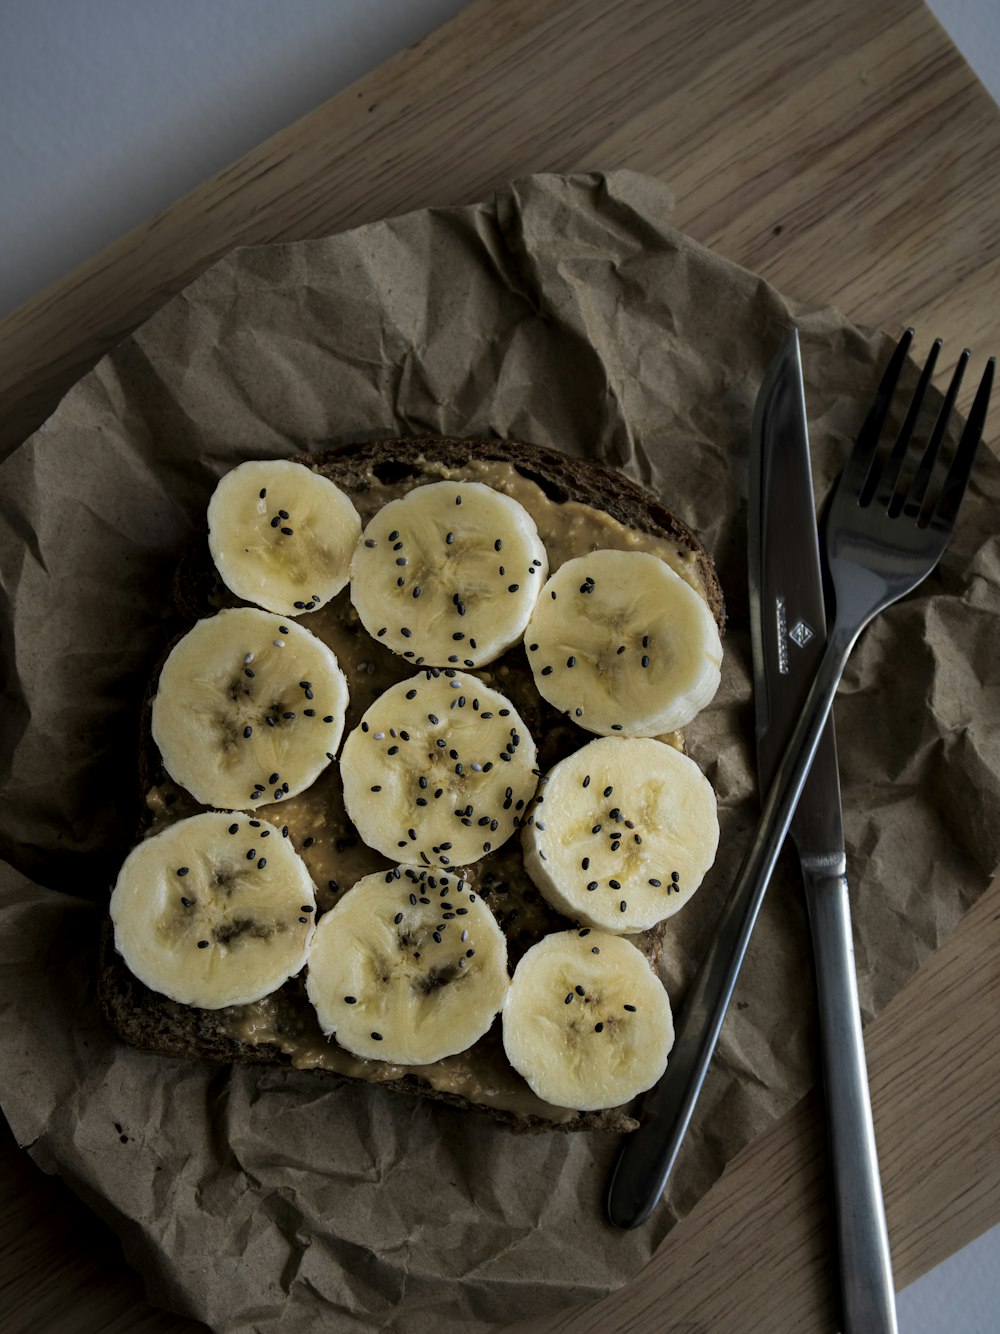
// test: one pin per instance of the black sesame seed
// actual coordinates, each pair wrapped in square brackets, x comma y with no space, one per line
[579,991]
[376,788]
[622,906]
[370,542]
[188,903]
[377,1037]
[592,886]
[656,883]
[594,950]
[569,999]
[251,854]
[262,862]
[275,521]
[203,944]
[398,918]
[406,633]
[512,588]
[598,1028]
[182,870]
[630,1008]
[233,828]
[546,671]
[675,876]
[645,660]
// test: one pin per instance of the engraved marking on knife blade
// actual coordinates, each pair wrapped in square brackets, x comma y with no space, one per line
[801,632]
[782,627]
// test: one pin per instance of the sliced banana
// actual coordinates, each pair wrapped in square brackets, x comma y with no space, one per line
[282,536]
[586,1022]
[623,645]
[622,834]
[439,770]
[408,967]
[449,574]
[249,709]
[216,910]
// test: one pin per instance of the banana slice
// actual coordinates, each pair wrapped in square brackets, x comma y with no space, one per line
[282,536]
[623,645]
[216,910]
[623,833]
[409,966]
[586,1022]
[249,709]
[439,770]
[449,574]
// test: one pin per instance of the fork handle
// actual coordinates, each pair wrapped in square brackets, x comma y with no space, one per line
[867,1293]
[648,1154]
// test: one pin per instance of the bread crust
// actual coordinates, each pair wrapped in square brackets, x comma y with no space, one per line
[151,1022]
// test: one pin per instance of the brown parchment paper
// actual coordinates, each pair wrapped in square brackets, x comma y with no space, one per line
[566,312]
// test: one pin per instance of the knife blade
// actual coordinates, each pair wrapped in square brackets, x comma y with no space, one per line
[788,632]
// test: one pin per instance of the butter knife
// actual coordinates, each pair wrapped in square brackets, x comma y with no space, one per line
[788,632]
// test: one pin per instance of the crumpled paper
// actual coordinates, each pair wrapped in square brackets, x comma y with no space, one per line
[566,312]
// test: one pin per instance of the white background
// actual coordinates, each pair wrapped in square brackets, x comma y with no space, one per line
[111,109]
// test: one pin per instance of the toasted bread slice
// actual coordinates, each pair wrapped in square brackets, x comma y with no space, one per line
[578,506]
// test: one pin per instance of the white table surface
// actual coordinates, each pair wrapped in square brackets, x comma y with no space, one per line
[112,109]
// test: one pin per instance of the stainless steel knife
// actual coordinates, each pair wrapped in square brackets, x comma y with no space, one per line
[788,632]
[781,510]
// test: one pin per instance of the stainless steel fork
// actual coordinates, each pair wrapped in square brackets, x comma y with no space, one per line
[884,534]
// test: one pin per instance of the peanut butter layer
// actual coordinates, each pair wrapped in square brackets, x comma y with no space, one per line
[336,857]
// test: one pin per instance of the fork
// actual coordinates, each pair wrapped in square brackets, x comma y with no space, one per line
[884,536]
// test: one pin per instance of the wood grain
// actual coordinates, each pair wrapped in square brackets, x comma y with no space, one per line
[843,150]
[846,152]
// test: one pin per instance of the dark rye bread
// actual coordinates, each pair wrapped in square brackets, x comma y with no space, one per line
[150,1021]
[357,468]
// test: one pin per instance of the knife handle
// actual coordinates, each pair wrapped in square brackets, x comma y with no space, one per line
[867,1292]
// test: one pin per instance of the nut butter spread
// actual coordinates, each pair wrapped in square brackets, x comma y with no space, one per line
[317,824]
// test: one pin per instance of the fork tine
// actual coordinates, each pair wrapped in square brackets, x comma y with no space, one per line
[854,478]
[946,510]
[921,478]
[886,493]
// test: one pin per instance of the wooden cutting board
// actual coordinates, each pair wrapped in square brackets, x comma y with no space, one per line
[846,152]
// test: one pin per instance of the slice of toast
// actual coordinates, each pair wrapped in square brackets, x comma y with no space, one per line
[578,506]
